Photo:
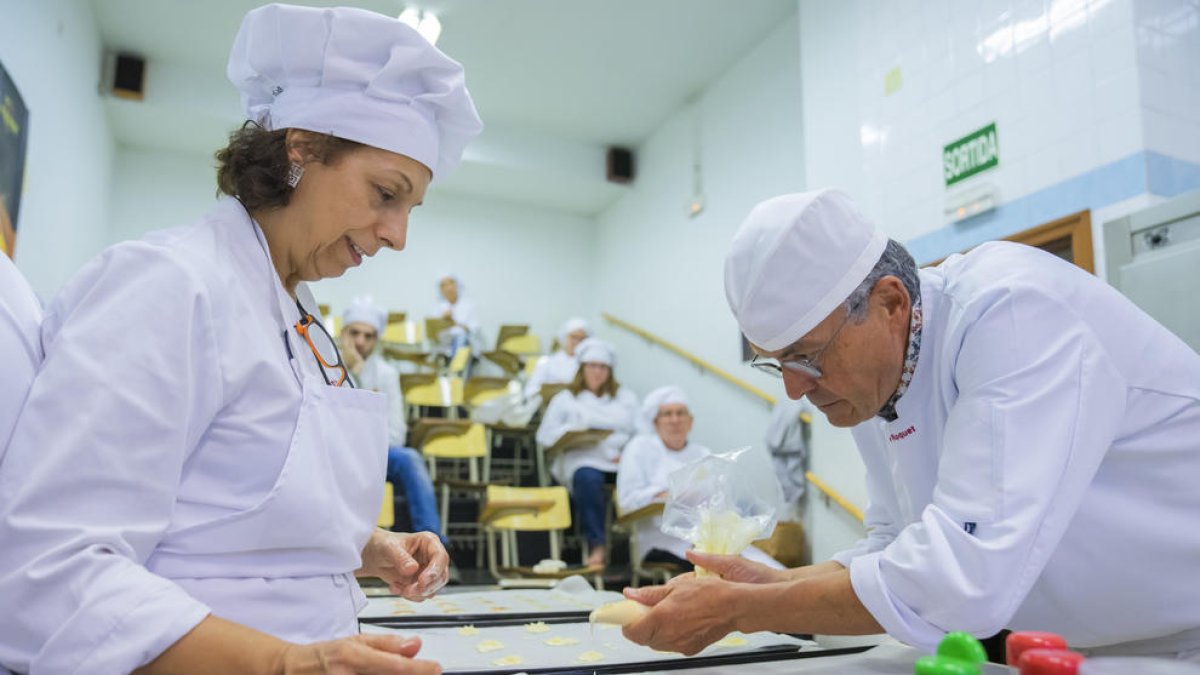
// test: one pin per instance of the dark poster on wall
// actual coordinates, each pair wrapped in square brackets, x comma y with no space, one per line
[14,135]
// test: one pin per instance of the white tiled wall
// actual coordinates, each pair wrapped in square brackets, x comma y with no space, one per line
[1060,78]
[1168,68]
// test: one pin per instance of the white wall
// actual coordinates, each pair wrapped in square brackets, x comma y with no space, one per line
[153,189]
[662,271]
[52,51]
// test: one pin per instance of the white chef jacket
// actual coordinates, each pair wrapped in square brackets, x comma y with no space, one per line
[556,368]
[568,412]
[20,346]
[184,427]
[645,465]
[1042,473]
[380,376]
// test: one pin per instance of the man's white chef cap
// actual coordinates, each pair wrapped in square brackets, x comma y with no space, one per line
[657,399]
[595,350]
[356,75]
[794,260]
[364,310]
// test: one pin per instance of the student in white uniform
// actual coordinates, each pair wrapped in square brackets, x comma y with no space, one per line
[1031,439]
[362,324]
[561,366]
[188,489]
[647,462]
[594,400]
[20,316]
[461,310]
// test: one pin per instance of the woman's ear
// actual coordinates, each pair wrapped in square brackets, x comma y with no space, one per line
[296,142]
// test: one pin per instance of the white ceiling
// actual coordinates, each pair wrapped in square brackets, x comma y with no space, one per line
[556,81]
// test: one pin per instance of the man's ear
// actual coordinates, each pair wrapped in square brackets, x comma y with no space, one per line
[892,297]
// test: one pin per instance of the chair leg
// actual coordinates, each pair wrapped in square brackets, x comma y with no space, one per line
[446,510]
[543,476]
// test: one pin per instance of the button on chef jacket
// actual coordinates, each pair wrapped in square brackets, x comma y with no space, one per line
[1042,473]
[159,432]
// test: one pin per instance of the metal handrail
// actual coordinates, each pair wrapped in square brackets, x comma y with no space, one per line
[696,360]
[834,495]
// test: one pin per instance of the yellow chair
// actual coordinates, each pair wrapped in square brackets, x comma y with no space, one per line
[387,512]
[531,365]
[434,325]
[522,345]
[508,330]
[478,390]
[656,572]
[508,510]
[458,364]
[440,440]
[428,391]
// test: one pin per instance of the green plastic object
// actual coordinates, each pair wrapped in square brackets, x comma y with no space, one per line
[962,646]
[941,665]
[957,654]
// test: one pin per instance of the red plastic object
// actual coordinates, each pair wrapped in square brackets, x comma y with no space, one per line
[1017,643]
[1050,662]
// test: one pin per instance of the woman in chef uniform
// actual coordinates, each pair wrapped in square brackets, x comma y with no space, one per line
[594,400]
[561,366]
[20,315]
[192,483]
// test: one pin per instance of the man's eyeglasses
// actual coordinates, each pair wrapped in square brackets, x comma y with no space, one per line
[805,366]
[324,349]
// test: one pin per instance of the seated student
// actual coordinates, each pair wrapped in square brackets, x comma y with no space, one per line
[647,462]
[20,317]
[594,400]
[561,366]
[454,307]
[362,324]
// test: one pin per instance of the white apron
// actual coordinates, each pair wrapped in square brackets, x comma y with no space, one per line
[280,566]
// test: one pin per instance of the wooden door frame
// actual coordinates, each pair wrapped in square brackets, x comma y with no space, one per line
[1077,227]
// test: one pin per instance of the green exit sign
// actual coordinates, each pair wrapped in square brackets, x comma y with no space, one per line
[967,156]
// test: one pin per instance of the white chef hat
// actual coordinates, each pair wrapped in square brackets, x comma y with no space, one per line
[364,310]
[657,399]
[595,350]
[794,260]
[570,326]
[356,75]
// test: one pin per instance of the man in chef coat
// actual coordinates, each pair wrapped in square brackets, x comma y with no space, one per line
[1031,440]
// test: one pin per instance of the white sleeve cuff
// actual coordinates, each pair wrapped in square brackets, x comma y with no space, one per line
[898,620]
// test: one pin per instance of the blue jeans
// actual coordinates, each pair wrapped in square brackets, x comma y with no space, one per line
[588,484]
[406,469]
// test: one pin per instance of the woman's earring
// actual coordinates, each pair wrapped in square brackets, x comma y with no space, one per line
[295,171]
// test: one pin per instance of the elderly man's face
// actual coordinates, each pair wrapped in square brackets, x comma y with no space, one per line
[673,423]
[862,364]
[573,340]
[449,289]
[363,336]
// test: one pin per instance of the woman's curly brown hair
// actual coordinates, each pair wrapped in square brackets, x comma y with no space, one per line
[254,166]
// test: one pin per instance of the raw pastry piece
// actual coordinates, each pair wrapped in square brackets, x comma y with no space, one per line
[510,660]
[560,641]
[537,627]
[588,657]
[619,613]
[489,646]
[732,640]
[469,629]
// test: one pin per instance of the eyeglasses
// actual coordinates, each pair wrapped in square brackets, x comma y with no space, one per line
[806,366]
[324,349]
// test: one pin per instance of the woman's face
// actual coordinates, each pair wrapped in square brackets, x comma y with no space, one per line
[594,376]
[347,211]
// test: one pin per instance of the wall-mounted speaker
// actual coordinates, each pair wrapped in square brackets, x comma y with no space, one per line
[620,165]
[128,76]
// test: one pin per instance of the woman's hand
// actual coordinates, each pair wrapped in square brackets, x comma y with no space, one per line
[350,356]
[414,565]
[365,654]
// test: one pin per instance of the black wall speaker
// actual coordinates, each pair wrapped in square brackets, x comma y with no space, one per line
[620,165]
[129,76]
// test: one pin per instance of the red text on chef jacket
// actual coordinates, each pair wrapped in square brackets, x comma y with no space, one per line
[903,434]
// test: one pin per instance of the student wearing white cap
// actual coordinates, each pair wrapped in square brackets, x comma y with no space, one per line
[593,400]
[561,366]
[193,481]
[647,462]
[460,310]
[20,317]
[362,324]
[1030,439]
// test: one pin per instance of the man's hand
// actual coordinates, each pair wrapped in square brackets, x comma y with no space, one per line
[686,615]
[370,654]
[414,565]
[734,568]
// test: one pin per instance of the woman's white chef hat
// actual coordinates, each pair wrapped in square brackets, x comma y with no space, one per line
[364,310]
[657,399]
[356,75]
[595,350]
[570,326]
[794,260]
